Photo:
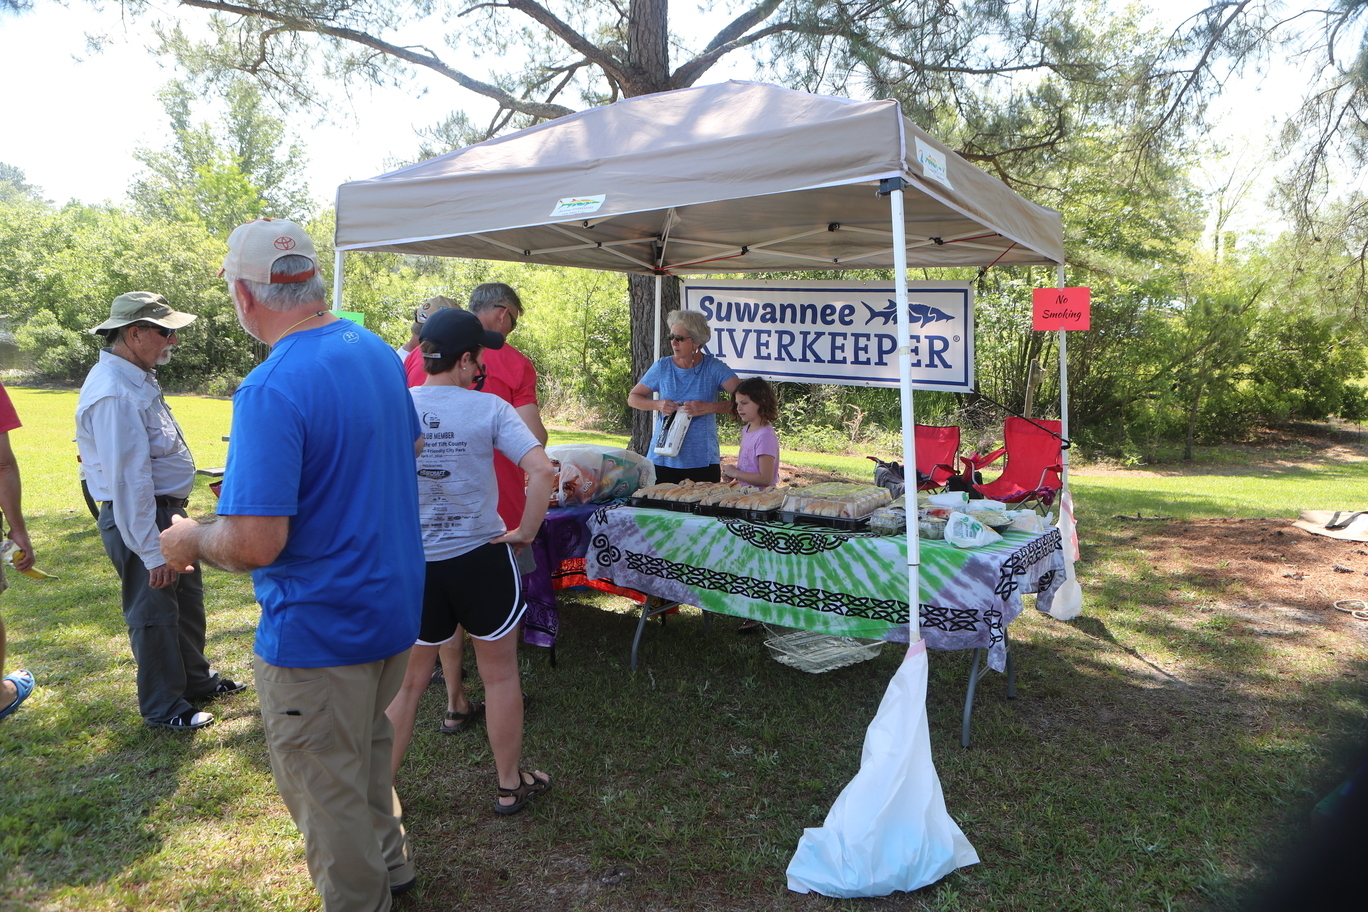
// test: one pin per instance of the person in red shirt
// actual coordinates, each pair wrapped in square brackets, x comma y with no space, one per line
[509,374]
[409,352]
[16,686]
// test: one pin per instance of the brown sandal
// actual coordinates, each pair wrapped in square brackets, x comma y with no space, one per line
[463,720]
[524,793]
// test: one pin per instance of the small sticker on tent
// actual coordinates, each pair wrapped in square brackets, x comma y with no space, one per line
[933,164]
[578,205]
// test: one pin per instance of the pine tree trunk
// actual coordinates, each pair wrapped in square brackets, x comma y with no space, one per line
[642,291]
[648,65]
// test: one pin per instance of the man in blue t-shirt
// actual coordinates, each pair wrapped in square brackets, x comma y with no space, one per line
[320,503]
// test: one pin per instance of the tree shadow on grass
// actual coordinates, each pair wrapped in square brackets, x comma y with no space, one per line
[1116,765]
[687,783]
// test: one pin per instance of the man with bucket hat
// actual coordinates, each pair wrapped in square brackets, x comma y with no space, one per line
[139,469]
[320,503]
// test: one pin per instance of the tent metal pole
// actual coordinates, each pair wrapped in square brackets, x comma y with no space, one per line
[1068,600]
[337,280]
[908,414]
[1063,386]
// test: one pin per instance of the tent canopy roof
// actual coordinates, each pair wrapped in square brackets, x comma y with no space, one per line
[735,177]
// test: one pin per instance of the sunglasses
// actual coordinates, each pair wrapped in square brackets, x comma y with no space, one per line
[161,330]
[512,317]
[673,338]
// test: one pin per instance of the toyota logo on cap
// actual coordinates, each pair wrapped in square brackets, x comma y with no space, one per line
[284,243]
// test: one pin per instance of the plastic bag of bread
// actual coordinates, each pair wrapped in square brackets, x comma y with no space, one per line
[578,482]
[599,473]
[555,488]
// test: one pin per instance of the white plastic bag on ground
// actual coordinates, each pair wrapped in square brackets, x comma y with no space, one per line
[889,829]
[963,531]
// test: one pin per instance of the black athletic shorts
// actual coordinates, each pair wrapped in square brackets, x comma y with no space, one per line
[479,590]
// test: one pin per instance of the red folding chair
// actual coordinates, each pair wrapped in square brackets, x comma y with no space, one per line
[1034,462]
[937,447]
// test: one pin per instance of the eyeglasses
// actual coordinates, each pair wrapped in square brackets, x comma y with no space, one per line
[673,338]
[161,330]
[512,317]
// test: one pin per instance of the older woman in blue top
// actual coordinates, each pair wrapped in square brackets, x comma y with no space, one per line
[689,379]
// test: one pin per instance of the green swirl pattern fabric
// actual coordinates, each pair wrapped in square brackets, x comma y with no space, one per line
[843,583]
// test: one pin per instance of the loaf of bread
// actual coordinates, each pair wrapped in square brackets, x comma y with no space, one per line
[656,491]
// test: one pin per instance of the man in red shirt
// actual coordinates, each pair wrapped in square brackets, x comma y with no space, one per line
[509,374]
[14,687]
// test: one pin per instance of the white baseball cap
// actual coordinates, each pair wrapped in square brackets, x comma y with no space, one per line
[254,247]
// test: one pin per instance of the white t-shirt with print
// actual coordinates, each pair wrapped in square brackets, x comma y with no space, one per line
[458,497]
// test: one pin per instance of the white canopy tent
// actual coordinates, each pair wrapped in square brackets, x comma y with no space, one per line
[736,177]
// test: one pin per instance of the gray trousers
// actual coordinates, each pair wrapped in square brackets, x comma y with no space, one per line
[330,745]
[165,627]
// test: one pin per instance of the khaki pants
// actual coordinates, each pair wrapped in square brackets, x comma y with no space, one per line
[330,749]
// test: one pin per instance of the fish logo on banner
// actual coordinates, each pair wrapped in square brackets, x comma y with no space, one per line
[923,312]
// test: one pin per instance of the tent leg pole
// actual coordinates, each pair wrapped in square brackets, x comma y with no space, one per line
[655,324]
[337,280]
[909,438]
[1063,386]
[974,674]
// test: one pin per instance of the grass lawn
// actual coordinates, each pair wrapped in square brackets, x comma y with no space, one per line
[1158,756]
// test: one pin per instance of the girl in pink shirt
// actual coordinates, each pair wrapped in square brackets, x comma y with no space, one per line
[758,462]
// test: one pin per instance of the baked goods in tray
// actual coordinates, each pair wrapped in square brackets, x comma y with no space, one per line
[715,494]
[837,500]
[656,491]
[683,492]
[761,501]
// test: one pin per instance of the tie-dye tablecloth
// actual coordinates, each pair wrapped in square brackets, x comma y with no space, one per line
[843,583]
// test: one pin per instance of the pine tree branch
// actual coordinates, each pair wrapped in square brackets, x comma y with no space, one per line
[611,66]
[688,73]
[409,55]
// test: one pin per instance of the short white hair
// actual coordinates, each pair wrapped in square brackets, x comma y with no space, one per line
[283,296]
[692,321]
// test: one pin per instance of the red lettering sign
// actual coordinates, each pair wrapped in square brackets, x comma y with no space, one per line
[1061,308]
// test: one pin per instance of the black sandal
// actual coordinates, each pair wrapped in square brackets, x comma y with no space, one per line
[524,793]
[463,720]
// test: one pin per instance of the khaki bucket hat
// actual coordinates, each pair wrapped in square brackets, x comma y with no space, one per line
[143,307]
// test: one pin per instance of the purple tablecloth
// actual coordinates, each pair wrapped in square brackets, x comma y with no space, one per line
[559,549]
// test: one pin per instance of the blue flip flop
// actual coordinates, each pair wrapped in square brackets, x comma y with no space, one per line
[23,684]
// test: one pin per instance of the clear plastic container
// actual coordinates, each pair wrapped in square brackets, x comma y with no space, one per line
[819,652]
[887,522]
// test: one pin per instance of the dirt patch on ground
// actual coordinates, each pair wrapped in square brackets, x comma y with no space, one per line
[1278,575]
